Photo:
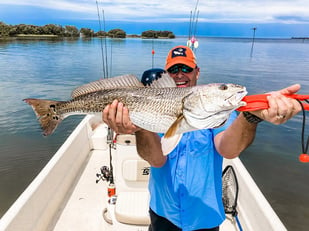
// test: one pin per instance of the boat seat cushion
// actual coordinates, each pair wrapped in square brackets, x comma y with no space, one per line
[133,208]
[136,171]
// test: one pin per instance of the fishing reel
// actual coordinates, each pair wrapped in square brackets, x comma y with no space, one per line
[105,175]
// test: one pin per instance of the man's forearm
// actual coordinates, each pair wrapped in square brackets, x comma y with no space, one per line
[148,146]
[237,137]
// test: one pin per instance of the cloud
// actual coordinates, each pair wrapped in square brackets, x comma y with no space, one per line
[231,11]
[292,19]
[61,5]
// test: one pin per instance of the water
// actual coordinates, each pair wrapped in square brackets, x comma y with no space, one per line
[51,69]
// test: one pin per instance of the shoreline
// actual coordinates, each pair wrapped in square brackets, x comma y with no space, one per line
[56,37]
[31,37]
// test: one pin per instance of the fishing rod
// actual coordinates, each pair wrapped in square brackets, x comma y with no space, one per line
[102,52]
[195,25]
[192,41]
[105,44]
[192,19]
[189,34]
[107,173]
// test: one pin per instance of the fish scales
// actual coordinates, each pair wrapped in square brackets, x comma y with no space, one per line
[167,101]
[169,110]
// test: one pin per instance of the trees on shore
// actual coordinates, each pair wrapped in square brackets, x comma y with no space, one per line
[71,31]
[157,34]
[49,29]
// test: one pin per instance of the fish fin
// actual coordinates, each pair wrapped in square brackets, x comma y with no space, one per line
[46,113]
[162,81]
[174,127]
[169,144]
[123,81]
[221,124]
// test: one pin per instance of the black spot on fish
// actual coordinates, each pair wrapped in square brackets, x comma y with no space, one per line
[53,106]
[223,87]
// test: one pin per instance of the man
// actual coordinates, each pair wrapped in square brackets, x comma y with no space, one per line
[185,186]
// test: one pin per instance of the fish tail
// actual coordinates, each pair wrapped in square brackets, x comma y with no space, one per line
[46,112]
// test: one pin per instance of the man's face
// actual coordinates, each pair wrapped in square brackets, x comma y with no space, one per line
[184,76]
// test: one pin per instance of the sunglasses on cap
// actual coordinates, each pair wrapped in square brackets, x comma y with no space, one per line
[176,68]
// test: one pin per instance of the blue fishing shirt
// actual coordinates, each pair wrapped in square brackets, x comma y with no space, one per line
[187,190]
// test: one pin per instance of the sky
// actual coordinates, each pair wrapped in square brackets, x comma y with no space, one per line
[272,18]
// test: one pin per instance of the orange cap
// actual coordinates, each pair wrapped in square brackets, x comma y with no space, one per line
[180,55]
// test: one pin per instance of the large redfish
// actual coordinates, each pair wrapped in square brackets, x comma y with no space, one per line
[161,108]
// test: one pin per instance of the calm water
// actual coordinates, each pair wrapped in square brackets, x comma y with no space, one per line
[51,69]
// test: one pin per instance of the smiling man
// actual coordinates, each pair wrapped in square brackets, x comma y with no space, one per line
[182,67]
[185,186]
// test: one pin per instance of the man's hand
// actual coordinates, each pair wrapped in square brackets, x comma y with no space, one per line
[148,144]
[281,108]
[116,116]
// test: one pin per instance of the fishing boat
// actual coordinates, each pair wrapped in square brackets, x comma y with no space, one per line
[72,191]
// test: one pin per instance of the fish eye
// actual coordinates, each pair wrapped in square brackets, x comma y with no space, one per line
[223,87]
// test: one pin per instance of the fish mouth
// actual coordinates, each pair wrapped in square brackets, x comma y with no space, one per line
[241,95]
[237,97]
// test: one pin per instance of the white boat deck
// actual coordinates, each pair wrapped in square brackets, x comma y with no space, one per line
[84,209]
[85,206]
